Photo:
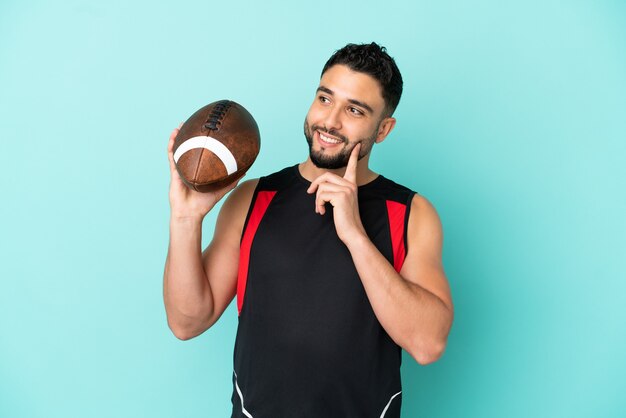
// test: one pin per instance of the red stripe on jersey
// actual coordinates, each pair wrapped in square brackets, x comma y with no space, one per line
[396,212]
[261,203]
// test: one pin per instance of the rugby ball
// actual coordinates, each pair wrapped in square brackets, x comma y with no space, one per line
[216,146]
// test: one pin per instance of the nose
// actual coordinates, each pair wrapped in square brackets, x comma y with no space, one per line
[333,119]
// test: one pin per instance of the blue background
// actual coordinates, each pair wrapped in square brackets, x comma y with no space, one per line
[512,122]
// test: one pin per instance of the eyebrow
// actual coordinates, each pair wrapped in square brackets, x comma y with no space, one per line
[353,101]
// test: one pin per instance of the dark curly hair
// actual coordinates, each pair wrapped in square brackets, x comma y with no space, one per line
[372,59]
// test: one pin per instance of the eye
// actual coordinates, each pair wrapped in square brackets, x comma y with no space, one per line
[324,99]
[355,111]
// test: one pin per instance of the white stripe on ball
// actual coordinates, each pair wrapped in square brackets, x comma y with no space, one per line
[213,145]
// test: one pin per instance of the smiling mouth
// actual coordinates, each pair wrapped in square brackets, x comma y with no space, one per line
[328,139]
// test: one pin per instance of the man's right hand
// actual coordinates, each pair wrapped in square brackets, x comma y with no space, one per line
[199,285]
[184,202]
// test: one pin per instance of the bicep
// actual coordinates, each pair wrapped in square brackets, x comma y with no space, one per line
[423,263]
[221,257]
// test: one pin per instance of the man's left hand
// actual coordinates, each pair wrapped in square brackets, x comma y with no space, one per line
[341,193]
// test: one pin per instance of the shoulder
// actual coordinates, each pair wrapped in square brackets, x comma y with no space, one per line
[421,210]
[244,190]
[422,207]
[241,194]
[237,204]
[235,208]
[424,226]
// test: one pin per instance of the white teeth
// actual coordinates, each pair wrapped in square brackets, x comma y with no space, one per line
[329,140]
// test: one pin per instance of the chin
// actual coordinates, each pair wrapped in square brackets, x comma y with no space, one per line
[329,162]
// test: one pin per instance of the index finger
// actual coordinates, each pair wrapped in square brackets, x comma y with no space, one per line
[170,148]
[350,174]
[170,143]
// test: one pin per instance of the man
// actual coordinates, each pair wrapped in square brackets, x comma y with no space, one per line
[335,267]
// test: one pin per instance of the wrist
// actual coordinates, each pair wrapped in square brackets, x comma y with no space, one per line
[186,220]
[188,213]
[358,239]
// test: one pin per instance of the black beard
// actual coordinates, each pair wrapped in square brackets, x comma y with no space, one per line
[340,160]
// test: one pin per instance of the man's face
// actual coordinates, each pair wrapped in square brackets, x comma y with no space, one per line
[347,110]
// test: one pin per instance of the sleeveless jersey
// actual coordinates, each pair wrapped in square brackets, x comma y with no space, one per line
[308,343]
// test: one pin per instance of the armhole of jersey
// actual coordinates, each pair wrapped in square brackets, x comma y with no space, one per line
[252,203]
[260,202]
[395,216]
[409,203]
[398,221]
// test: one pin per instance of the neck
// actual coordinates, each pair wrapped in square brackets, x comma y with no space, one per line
[364,175]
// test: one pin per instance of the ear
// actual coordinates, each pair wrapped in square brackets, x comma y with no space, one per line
[384,128]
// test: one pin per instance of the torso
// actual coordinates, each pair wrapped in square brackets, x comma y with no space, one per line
[308,342]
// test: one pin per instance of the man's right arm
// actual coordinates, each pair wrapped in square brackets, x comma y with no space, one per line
[198,286]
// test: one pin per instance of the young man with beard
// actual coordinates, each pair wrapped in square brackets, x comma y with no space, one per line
[335,267]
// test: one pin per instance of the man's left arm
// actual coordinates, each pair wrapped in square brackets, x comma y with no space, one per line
[413,306]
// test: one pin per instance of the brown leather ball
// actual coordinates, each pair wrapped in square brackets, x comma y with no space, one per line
[216,146]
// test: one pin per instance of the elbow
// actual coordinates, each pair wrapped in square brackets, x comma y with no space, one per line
[428,353]
[186,332]
[427,349]
[187,325]
[182,334]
